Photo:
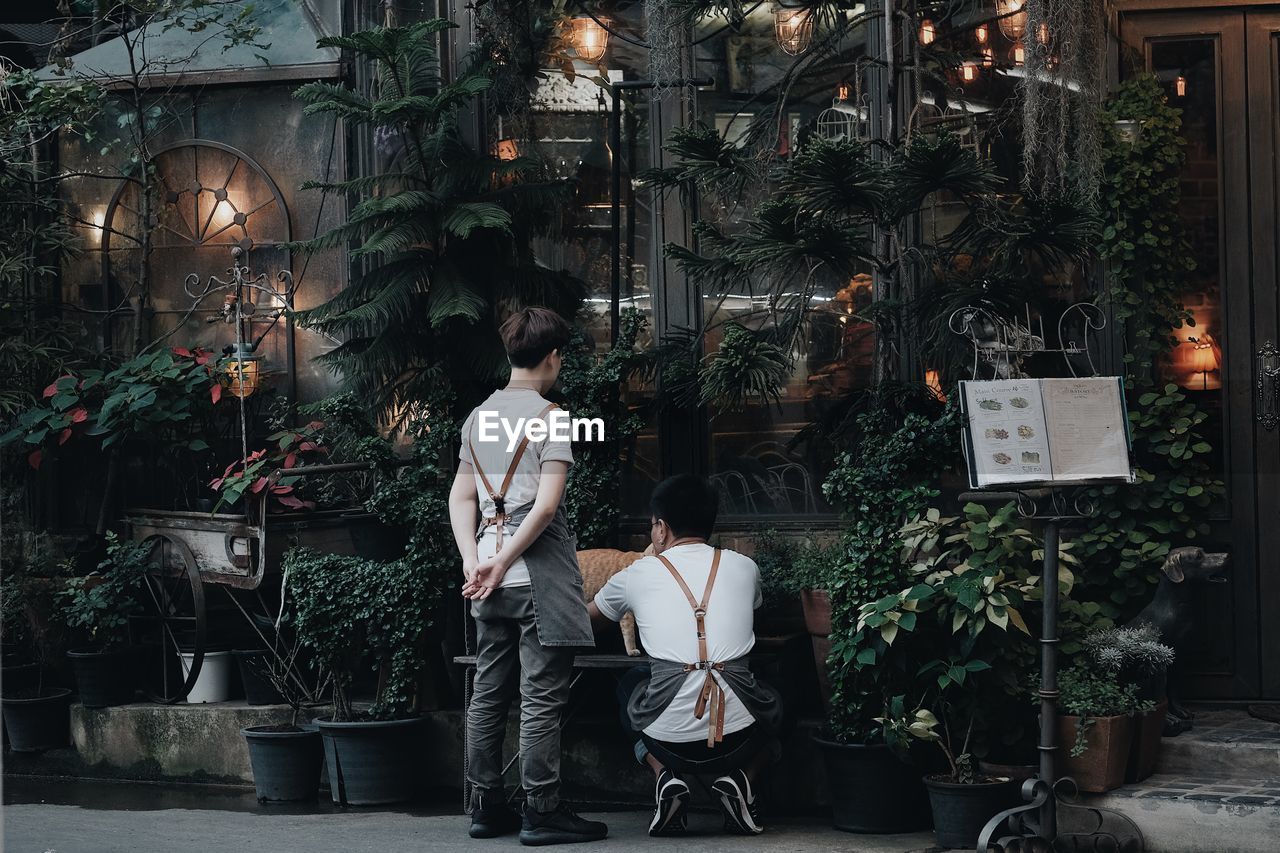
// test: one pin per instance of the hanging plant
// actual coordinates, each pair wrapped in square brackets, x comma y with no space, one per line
[1061,94]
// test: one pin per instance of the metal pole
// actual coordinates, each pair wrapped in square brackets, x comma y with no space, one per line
[615,214]
[1049,677]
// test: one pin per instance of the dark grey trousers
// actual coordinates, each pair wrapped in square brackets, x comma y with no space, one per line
[510,661]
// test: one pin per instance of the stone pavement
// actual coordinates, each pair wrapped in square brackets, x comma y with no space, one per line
[106,817]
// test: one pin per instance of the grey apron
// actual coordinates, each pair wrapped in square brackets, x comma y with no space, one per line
[651,697]
[555,583]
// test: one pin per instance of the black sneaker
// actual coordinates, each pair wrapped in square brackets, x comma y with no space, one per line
[671,795]
[561,826]
[493,817]
[738,803]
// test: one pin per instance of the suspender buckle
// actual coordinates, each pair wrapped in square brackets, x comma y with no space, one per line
[700,613]
[499,505]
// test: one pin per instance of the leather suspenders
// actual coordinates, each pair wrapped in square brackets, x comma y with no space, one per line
[712,695]
[498,497]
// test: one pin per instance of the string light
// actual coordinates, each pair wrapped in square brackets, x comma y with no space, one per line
[982,34]
[1018,54]
[793,29]
[1180,86]
[842,92]
[928,32]
[589,38]
[988,56]
[969,72]
[1042,34]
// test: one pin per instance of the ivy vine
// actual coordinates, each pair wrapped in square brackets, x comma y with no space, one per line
[1149,260]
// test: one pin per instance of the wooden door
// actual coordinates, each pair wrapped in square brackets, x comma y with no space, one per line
[1220,67]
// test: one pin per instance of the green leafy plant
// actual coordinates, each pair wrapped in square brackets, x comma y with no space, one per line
[746,367]
[267,470]
[1148,263]
[99,604]
[892,474]
[159,395]
[445,233]
[354,612]
[593,388]
[953,641]
[1088,693]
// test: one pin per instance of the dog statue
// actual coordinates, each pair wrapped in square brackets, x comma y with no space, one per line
[1170,612]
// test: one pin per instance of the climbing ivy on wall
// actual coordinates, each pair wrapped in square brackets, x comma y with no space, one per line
[593,389]
[1148,260]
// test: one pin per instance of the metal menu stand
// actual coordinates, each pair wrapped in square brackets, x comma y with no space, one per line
[1051,820]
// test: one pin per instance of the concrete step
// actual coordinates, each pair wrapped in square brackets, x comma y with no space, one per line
[1201,814]
[1224,743]
[1216,789]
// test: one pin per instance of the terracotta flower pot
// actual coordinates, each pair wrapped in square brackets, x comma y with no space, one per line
[1148,729]
[817,620]
[817,612]
[1101,766]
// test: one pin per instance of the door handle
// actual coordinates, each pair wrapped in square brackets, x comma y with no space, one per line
[1267,386]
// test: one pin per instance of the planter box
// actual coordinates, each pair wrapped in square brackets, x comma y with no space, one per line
[817,621]
[1101,766]
[1148,729]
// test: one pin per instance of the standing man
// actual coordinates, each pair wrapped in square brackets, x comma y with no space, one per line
[525,590]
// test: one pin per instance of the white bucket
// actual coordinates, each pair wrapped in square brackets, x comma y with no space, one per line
[213,684]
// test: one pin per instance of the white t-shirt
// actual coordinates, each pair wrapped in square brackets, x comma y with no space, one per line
[668,628]
[509,404]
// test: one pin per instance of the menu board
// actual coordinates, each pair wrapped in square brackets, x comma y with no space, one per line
[1046,431]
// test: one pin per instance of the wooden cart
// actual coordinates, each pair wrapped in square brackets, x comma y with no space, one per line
[194,554]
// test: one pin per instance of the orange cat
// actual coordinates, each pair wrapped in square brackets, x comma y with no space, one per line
[597,566]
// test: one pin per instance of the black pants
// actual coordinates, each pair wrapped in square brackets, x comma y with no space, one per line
[734,752]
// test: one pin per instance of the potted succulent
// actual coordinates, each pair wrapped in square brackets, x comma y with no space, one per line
[286,758]
[1096,728]
[98,606]
[1135,654]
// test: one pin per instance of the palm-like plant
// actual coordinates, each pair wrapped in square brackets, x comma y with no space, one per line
[833,199]
[443,235]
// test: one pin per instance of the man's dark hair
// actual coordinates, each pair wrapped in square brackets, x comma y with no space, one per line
[688,504]
[530,335]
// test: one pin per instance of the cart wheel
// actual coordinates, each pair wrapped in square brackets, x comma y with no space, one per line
[176,603]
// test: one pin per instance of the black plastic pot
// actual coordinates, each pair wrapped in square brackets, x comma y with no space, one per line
[39,723]
[104,678]
[258,689]
[286,762]
[19,677]
[374,763]
[960,811]
[873,790]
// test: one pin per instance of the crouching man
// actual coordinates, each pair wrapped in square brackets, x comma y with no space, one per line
[697,710]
